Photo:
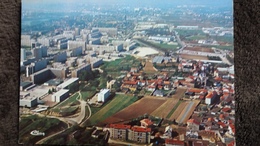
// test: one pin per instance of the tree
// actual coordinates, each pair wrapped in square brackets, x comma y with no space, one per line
[49,92]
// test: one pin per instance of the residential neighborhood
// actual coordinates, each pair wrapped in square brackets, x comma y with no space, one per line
[136,76]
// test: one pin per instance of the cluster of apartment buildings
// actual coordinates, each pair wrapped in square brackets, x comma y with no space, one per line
[137,134]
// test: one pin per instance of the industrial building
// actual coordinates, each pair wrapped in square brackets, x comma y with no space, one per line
[28,101]
[60,95]
[103,95]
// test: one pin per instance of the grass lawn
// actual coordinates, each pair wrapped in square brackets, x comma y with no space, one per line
[166,46]
[68,101]
[87,94]
[173,109]
[30,123]
[189,32]
[196,37]
[118,103]
[70,109]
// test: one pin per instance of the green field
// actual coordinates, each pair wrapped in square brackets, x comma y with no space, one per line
[87,94]
[118,103]
[113,69]
[173,109]
[186,33]
[68,101]
[196,37]
[43,124]
[166,46]
[69,109]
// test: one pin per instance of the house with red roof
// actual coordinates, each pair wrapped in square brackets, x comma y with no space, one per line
[193,124]
[231,129]
[119,131]
[174,142]
[210,98]
[232,143]
[139,134]
[146,123]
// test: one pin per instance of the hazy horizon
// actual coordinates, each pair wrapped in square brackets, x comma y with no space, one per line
[136,3]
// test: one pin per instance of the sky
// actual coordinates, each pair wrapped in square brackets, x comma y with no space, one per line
[29,3]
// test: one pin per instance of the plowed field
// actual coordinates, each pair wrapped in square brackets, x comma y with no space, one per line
[145,105]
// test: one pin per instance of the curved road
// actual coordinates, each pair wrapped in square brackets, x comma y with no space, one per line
[75,120]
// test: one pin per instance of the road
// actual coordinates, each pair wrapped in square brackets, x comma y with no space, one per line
[44,139]
[75,120]
[82,113]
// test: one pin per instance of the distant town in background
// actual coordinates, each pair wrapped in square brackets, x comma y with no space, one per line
[127,73]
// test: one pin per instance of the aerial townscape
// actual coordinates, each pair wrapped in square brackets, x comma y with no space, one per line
[127,73]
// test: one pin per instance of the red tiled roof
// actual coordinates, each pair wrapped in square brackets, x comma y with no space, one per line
[196,90]
[232,128]
[218,78]
[211,94]
[193,121]
[174,142]
[226,109]
[201,96]
[140,129]
[130,82]
[151,86]
[210,119]
[222,124]
[221,116]
[147,121]
[231,143]
[167,82]
[120,126]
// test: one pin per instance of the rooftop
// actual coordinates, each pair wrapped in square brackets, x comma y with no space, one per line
[140,129]
[60,92]
[120,126]
[174,142]
[68,82]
